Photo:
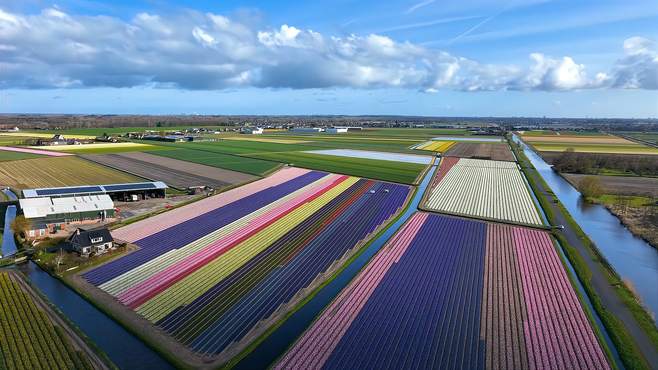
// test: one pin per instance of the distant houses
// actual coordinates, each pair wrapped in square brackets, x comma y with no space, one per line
[59,139]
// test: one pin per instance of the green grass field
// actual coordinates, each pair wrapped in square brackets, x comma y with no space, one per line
[595,148]
[370,168]
[220,160]
[6,155]
[651,137]
[239,156]
[13,140]
[629,200]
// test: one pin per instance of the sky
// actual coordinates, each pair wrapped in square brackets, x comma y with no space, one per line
[402,57]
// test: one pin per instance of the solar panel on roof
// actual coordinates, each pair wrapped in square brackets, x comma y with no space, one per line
[74,190]
[146,185]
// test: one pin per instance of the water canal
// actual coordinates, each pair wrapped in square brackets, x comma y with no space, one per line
[124,349]
[633,258]
[285,335]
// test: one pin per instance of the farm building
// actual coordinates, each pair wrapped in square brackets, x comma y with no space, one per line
[119,192]
[91,241]
[336,130]
[167,138]
[251,130]
[59,139]
[307,129]
[47,215]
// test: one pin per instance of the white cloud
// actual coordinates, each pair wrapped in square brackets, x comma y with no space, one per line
[192,50]
[638,69]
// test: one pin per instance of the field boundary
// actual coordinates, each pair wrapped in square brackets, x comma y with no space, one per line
[236,360]
[625,344]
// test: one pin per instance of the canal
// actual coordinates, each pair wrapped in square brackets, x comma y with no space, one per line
[124,349]
[633,258]
[285,335]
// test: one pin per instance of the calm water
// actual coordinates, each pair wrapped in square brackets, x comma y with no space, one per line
[124,349]
[8,241]
[277,343]
[634,259]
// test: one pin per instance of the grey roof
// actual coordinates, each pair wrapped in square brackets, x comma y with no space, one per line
[83,237]
[93,189]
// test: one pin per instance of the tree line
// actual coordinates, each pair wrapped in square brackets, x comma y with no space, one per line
[593,163]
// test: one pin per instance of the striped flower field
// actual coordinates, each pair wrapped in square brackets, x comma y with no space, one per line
[434,146]
[32,151]
[494,190]
[454,293]
[216,273]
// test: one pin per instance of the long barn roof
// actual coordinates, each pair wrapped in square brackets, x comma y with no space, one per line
[92,189]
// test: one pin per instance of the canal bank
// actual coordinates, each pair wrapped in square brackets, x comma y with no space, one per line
[631,329]
[124,349]
[630,256]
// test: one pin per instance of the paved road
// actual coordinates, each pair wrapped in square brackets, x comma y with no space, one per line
[600,283]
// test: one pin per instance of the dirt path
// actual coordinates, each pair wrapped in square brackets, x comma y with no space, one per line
[56,319]
[600,283]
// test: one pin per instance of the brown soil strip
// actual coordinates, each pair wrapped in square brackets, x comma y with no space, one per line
[621,185]
[492,151]
[176,173]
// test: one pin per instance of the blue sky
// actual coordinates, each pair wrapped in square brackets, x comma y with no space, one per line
[417,57]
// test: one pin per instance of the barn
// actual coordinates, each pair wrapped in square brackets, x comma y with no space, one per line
[117,192]
[50,215]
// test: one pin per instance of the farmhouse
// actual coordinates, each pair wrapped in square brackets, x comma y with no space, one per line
[118,192]
[48,215]
[91,241]
[251,130]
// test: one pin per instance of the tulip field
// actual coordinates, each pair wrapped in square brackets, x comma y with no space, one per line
[29,339]
[434,146]
[217,273]
[454,293]
[494,190]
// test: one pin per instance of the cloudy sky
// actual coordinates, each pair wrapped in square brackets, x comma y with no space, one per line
[412,57]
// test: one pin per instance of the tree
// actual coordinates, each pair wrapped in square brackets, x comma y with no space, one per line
[590,187]
[20,225]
